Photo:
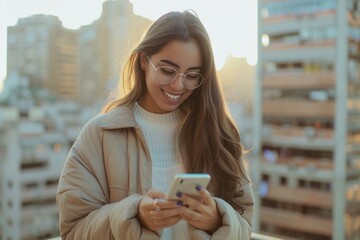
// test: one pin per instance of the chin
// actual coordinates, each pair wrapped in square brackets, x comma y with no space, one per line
[170,108]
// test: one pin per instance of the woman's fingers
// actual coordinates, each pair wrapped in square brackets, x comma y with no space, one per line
[155,194]
[202,213]
[205,200]
[160,223]
[156,213]
[166,213]
[161,204]
[205,196]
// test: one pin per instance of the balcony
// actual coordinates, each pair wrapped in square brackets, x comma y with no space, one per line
[299,51]
[298,108]
[299,80]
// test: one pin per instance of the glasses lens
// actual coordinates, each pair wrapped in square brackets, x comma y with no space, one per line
[193,80]
[165,74]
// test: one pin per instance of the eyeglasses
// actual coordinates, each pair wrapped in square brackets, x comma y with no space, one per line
[166,75]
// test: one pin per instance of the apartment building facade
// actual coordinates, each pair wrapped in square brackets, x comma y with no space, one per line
[103,47]
[79,65]
[41,49]
[34,143]
[307,134]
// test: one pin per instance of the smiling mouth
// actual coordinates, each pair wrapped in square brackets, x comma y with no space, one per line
[172,97]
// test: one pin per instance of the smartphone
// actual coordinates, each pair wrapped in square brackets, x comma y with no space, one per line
[186,183]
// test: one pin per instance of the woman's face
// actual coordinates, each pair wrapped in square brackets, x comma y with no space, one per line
[182,56]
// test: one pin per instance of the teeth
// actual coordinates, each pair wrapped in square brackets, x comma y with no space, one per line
[174,97]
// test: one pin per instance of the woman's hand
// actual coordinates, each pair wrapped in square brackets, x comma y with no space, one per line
[203,213]
[156,213]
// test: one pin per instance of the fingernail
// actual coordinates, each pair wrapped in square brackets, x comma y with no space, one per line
[178,194]
[198,187]
[179,203]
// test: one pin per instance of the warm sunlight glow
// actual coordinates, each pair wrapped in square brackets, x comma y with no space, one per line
[233,31]
[231,24]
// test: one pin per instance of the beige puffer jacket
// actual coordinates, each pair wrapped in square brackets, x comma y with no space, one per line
[106,174]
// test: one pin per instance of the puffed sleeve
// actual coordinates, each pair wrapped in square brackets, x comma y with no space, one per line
[234,224]
[83,195]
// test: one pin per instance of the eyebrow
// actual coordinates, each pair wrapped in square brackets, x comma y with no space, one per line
[177,66]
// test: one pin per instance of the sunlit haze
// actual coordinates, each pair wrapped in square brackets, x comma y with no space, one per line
[232,24]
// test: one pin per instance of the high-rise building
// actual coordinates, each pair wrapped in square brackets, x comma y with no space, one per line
[34,142]
[79,64]
[103,46]
[41,49]
[307,135]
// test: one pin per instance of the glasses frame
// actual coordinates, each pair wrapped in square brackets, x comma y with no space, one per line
[177,74]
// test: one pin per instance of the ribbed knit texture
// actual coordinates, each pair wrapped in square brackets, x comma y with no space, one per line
[160,135]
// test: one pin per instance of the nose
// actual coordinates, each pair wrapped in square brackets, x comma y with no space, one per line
[178,82]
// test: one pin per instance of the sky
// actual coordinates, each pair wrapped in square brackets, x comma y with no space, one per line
[231,24]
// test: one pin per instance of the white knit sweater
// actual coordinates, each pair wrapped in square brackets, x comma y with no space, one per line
[160,135]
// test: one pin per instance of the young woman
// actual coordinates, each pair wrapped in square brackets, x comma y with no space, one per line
[172,119]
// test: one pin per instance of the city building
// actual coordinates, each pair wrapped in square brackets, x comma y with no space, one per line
[103,46]
[41,49]
[307,135]
[35,136]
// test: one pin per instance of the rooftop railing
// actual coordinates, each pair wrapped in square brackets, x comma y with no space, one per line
[254,236]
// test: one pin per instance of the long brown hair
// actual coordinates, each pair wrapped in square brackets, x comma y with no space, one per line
[209,141]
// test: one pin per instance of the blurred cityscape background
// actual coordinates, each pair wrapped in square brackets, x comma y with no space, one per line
[297,104]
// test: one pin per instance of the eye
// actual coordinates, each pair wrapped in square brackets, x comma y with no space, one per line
[167,71]
[193,76]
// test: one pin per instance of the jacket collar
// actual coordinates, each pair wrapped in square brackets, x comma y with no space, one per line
[119,117]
